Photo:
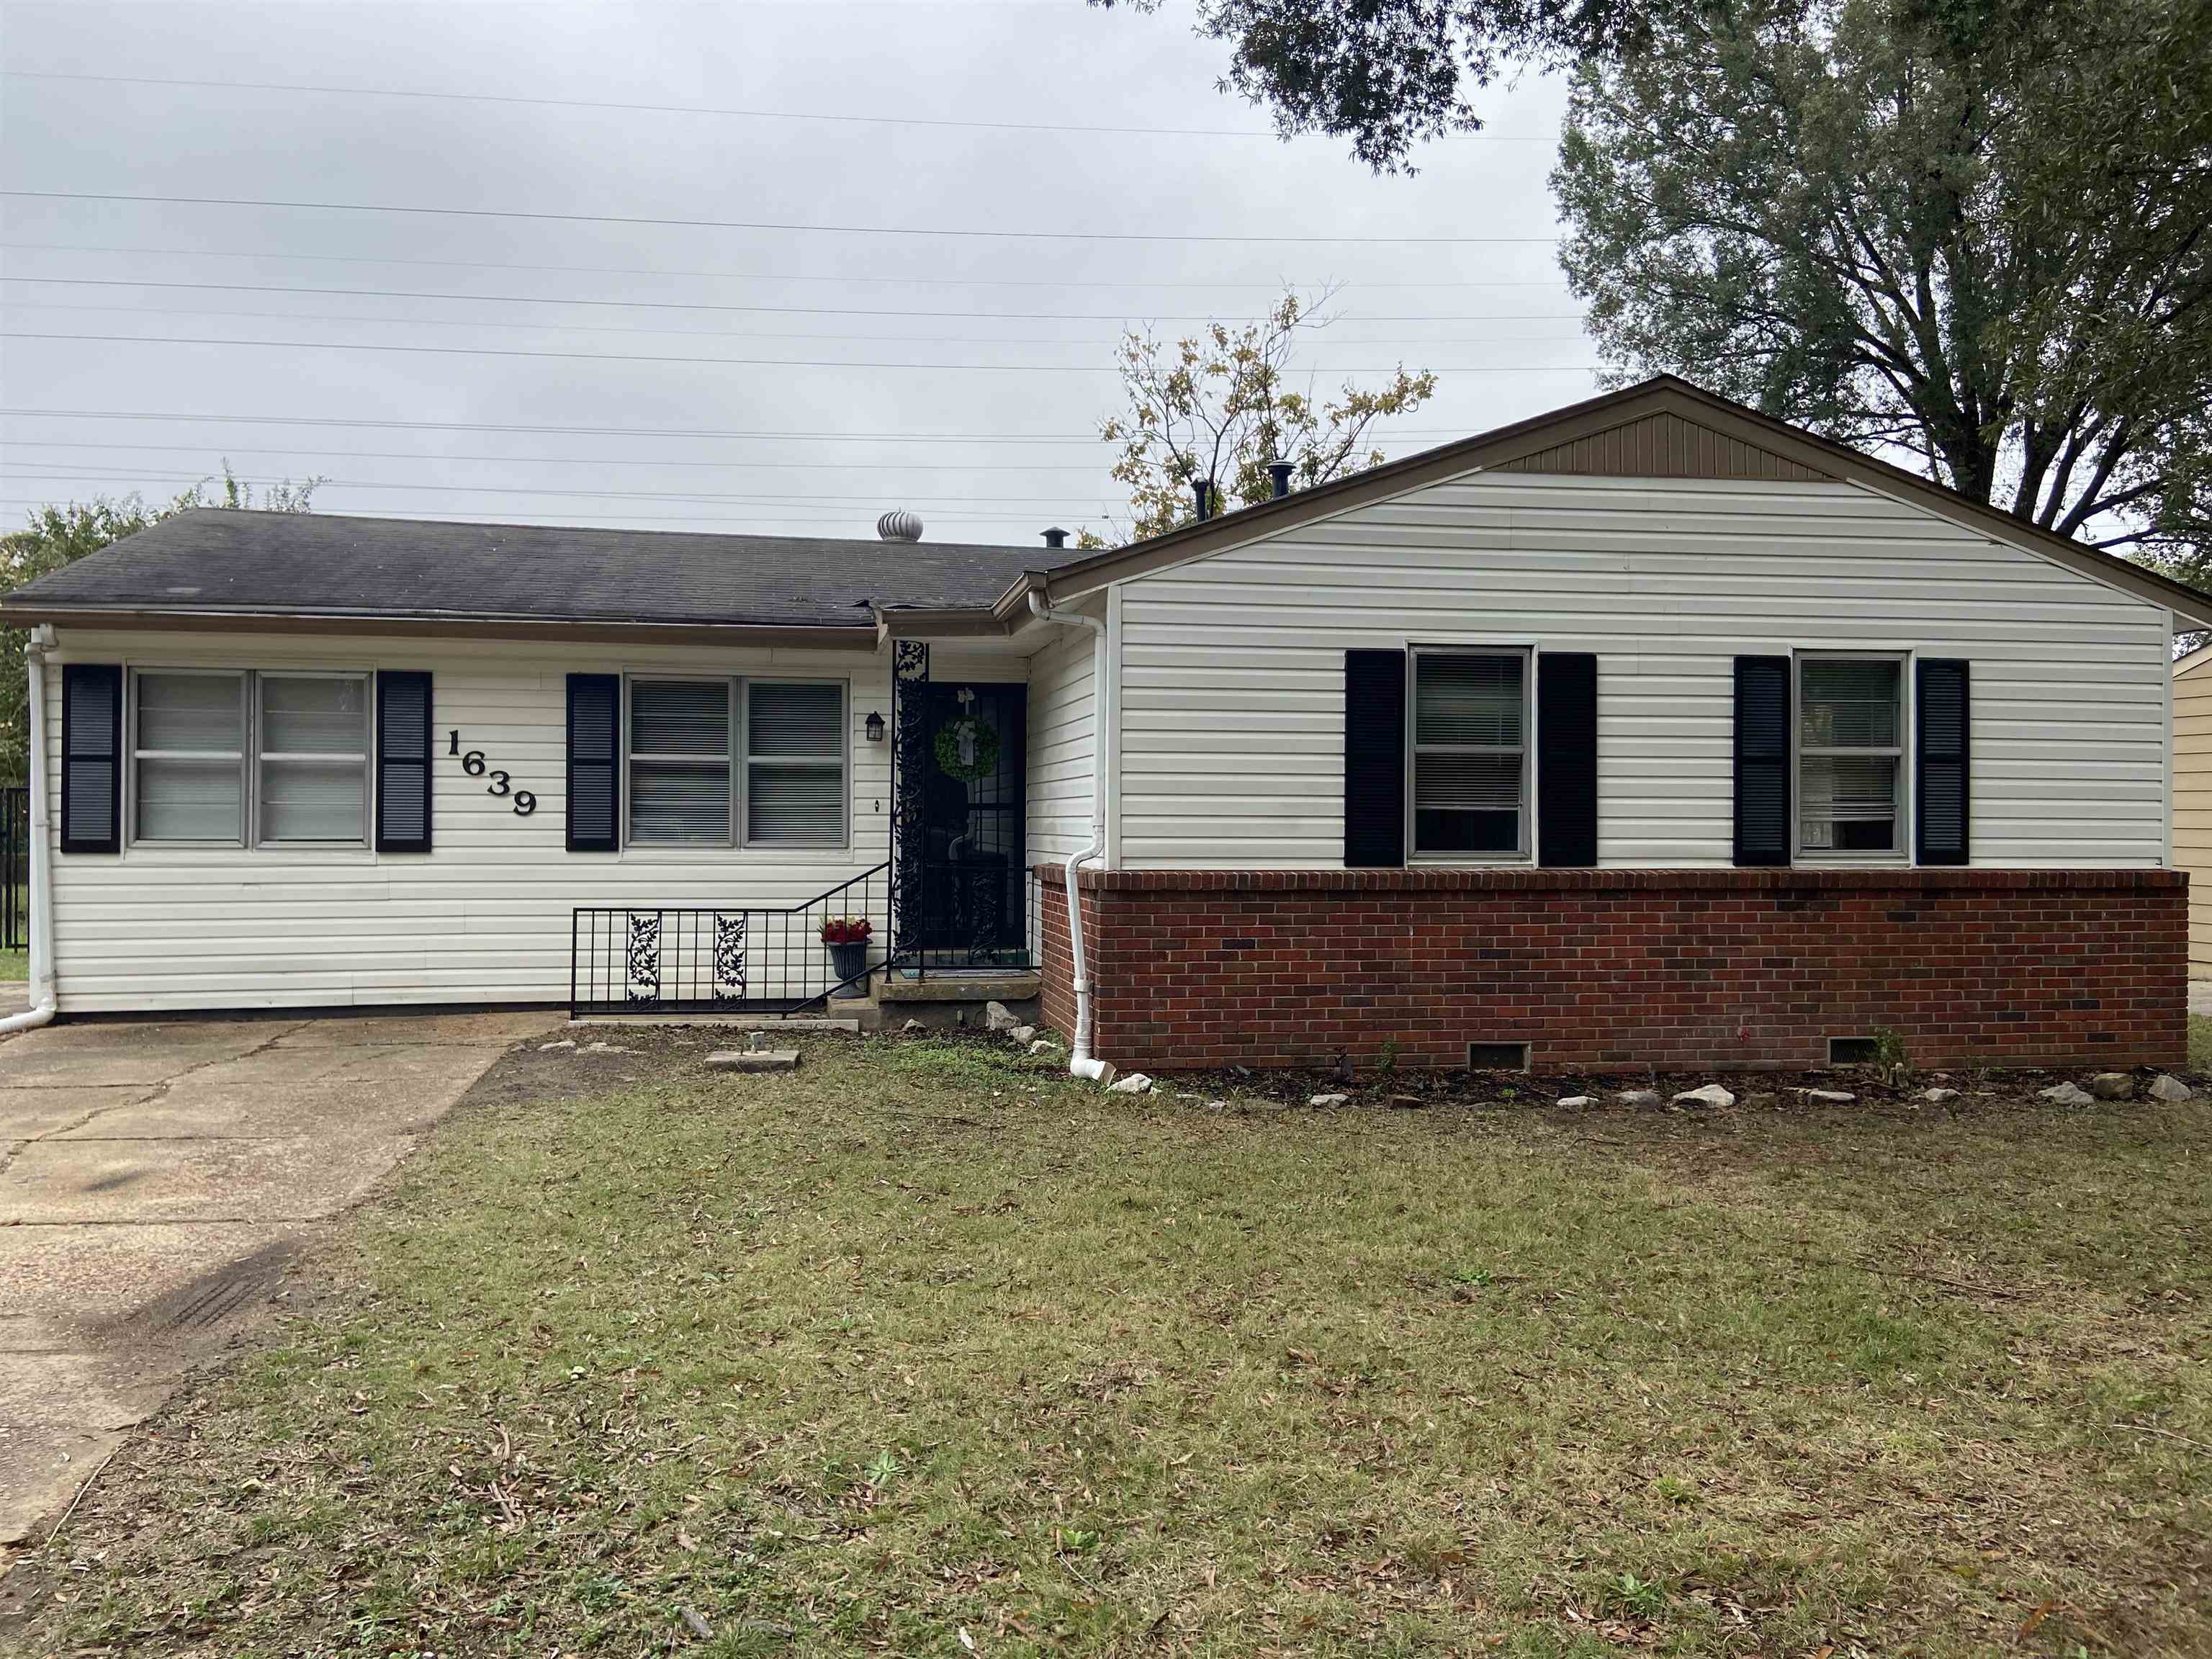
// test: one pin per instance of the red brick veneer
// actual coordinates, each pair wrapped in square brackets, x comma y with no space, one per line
[1602,968]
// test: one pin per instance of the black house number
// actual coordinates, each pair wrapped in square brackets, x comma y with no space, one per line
[472,763]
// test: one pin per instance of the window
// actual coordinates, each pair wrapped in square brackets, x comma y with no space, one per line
[1850,776]
[756,762]
[794,763]
[313,751]
[1470,740]
[188,756]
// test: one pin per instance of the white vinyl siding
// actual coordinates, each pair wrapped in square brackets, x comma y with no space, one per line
[1231,742]
[482,917]
[2192,800]
[1062,733]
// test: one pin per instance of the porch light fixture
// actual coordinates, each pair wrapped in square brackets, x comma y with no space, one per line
[875,728]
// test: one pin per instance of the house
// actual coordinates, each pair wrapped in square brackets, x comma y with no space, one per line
[2193,800]
[1650,731]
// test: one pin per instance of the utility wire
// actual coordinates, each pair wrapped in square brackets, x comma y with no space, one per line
[1122,317]
[741,362]
[754,224]
[694,109]
[935,464]
[1276,285]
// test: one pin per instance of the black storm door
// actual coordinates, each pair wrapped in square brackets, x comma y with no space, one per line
[968,868]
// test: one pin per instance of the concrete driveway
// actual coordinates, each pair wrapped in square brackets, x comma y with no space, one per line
[154,1179]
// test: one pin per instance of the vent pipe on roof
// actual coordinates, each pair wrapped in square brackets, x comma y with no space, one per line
[1202,488]
[1280,473]
[899,526]
[1055,537]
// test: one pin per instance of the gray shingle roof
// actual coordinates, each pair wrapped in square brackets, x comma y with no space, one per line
[221,559]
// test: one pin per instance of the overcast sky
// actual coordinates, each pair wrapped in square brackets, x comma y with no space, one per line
[825,349]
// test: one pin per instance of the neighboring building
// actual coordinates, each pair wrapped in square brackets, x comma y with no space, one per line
[2192,800]
[1648,732]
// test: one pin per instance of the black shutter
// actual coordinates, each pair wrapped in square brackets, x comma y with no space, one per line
[1374,759]
[1566,760]
[91,757]
[402,761]
[1942,791]
[594,761]
[1762,760]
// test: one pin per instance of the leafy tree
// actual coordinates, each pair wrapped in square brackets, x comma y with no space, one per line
[1218,405]
[1977,232]
[1390,75]
[60,535]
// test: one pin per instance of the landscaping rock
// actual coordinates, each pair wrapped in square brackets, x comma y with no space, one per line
[2113,1086]
[1639,1098]
[913,1028]
[1135,1084]
[603,1049]
[1711,1095]
[1326,1100]
[565,1043]
[1022,1034]
[1575,1100]
[753,1059]
[2171,1090]
[1407,1102]
[1938,1097]
[1828,1096]
[2066,1094]
[1044,1045]
[996,1017]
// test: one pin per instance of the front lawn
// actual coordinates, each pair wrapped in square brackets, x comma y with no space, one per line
[925,1349]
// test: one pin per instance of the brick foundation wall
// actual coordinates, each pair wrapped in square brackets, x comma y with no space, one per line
[1600,969]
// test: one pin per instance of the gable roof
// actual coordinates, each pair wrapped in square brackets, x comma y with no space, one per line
[1659,428]
[221,561]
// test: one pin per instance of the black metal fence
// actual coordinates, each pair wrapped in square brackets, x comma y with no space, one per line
[636,959]
[14,868]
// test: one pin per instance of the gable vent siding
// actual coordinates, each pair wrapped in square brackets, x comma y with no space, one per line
[1663,445]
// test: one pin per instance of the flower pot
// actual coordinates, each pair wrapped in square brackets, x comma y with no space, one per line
[849,962]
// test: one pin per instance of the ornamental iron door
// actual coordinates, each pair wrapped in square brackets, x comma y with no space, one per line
[959,812]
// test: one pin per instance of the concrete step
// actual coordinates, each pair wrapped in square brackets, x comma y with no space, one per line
[960,987]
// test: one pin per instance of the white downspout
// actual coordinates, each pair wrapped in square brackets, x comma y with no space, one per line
[1080,1062]
[41,873]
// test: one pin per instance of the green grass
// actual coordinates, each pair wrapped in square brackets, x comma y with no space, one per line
[15,967]
[2200,1043]
[921,1340]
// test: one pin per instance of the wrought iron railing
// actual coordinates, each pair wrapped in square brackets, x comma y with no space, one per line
[15,867]
[971,917]
[634,959]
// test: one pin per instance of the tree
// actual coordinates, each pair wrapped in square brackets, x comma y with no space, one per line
[1390,75]
[58,536]
[1216,405]
[1977,232]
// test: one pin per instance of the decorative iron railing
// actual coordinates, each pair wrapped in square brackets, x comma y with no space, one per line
[641,959]
[971,913]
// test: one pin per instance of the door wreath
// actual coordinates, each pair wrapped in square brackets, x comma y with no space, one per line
[967,749]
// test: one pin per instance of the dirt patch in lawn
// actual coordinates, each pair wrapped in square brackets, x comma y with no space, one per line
[925,1348]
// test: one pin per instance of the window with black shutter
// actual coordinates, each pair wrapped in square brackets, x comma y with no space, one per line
[1374,759]
[1943,783]
[402,761]
[91,757]
[594,761]
[1566,760]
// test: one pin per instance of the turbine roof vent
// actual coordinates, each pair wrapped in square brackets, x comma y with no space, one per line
[899,526]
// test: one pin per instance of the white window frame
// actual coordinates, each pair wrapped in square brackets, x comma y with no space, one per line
[260,678]
[741,761]
[244,759]
[1524,852]
[1900,854]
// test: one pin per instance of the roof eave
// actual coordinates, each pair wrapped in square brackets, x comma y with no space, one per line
[858,635]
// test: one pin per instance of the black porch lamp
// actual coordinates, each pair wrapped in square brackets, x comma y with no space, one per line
[875,728]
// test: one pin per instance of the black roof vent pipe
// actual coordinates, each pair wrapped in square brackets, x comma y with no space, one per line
[1203,490]
[1055,537]
[1280,473]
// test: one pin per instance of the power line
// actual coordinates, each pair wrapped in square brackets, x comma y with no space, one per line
[750,520]
[932,464]
[1083,342]
[1277,285]
[693,109]
[1029,437]
[793,311]
[741,362]
[753,224]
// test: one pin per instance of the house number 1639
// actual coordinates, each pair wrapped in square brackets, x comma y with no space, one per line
[472,763]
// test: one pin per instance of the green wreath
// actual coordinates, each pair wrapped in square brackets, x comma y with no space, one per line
[986,739]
